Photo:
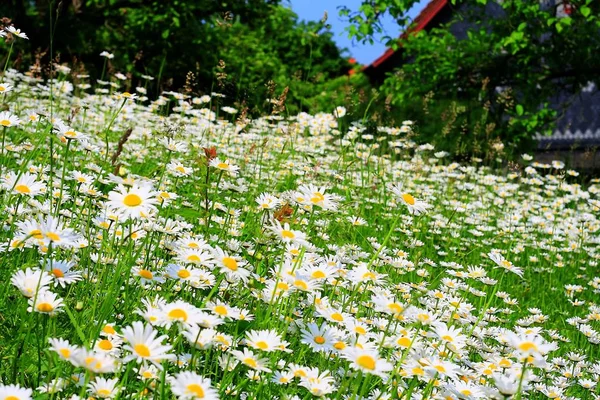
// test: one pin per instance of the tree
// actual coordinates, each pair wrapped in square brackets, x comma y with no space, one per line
[258,40]
[518,65]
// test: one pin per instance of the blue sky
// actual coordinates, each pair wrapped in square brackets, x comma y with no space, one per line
[364,53]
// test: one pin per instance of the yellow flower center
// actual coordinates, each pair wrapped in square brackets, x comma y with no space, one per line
[418,371]
[318,274]
[230,263]
[287,234]
[222,165]
[221,310]
[178,314]
[448,338]
[423,317]
[317,198]
[66,353]
[105,344]
[70,134]
[339,345]
[144,273]
[45,307]
[404,341]
[52,236]
[366,361]
[408,199]
[319,339]
[23,189]
[251,362]
[360,330]
[262,345]
[5,122]
[504,363]
[196,390]
[193,258]
[58,273]
[300,284]
[369,275]
[440,368]
[103,392]
[337,317]
[283,286]
[528,346]
[132,200]
[466,392]
[142,350]
[395,308]
[109,330]
[183,273]
[181,169]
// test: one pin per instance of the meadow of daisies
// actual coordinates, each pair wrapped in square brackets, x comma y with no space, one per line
[174,248]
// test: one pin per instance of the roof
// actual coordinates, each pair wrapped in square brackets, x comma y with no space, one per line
[421,21]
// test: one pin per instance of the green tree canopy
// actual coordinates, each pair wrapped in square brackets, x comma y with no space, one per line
[517,59]
[258,40]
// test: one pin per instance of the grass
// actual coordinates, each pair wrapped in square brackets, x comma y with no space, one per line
[280,258]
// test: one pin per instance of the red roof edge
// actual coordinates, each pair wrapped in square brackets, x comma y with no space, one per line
[421,21]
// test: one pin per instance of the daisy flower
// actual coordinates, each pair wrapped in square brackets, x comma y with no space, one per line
[15,392]
[53,232]
[224,166]
[248,358]
[45,302]
[16,32]
[99,363]
[144,345]
[8,119]
[231,266]
[195,256]
[5,87]
[23,183]
[339,112]
[414,206]
[173,145]
[65,132]
[368,361]
[267,201]
[63,348]
[318,338]
[316,196]
[178,169]
[61,272]
[110,345]
[451,336]
[180,312]
[103,388]
[31,281]
[189,385]
[200,338]
[529,344]
[287,235]
[265,340]
[134,202]
[499,259]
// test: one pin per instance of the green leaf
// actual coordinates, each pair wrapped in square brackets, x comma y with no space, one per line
[585,11]
[520,109]
[165,34]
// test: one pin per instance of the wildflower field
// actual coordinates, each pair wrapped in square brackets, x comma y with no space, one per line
[177,249]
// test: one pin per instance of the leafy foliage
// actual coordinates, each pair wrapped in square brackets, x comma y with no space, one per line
[506,78]
[258,40]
